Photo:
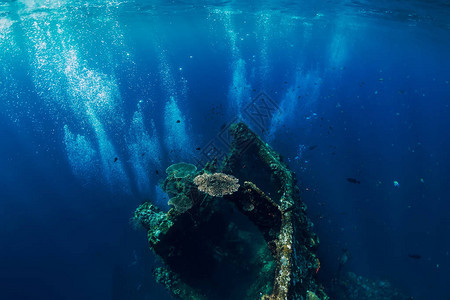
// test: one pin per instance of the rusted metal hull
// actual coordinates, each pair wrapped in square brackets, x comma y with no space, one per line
[260,232]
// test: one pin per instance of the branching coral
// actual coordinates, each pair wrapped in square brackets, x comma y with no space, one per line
[217,184]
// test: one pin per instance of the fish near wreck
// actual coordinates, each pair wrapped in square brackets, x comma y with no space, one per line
[353,180]
[244,237]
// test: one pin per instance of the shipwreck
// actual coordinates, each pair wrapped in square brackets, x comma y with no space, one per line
[237,228]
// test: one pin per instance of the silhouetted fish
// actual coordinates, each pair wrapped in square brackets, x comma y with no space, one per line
[353,180]
[415,256]
[178,121]
[343,259]
[115,159]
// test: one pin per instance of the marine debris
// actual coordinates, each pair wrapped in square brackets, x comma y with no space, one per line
[237,230]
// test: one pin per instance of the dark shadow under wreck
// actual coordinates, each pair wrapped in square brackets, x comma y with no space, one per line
[222,240]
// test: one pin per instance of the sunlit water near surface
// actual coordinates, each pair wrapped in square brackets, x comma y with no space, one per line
[97,99]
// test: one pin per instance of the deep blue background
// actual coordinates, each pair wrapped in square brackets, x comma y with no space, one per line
[363,88]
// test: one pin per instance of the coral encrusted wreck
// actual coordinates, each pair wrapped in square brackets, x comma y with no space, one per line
[237,229]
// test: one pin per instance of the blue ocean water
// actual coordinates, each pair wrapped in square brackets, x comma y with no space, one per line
[98,98]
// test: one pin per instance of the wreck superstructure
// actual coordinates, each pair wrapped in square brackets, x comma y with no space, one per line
[255,242]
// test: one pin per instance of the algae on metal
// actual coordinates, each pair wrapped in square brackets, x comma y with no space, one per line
[294,243]
[255,243]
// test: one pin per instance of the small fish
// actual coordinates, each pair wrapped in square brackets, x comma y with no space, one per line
[198,148]
[115,159]
[353,180]
[312,147]
[156,172]
[415,256]
[178,121]
[343,259]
